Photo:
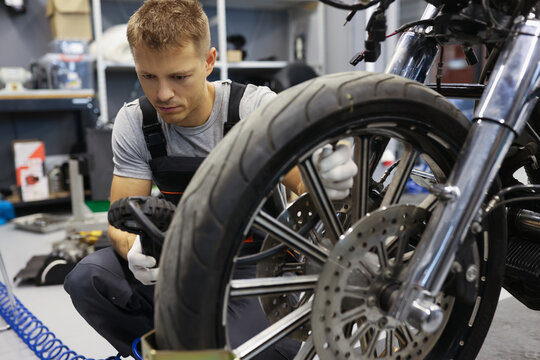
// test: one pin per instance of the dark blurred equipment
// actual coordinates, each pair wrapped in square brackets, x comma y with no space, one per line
[63,71]
[41,222]
[67,66]
[291,75]
[238,41]
[100,164]
[13,78]
[51,269]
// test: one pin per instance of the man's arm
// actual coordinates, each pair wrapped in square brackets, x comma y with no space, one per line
[123,187]
[293,181]
[335,167]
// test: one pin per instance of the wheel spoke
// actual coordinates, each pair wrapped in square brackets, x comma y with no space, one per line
[429,202]
[292,267]
[388,346]
[307,352]
[320,199]
[400,251]
[316,236]
[355,292]
[280,232]
[382,254]
[392,246]
[360,332]
[267,286]
[372,342]
[366,267]
[404,336]
[274,333]
[378,145]
[360,190]
[351,315]
[401,175]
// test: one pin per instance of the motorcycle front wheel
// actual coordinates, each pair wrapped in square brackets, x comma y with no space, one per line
[405,138]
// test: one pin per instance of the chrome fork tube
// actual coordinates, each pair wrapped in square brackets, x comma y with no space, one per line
[414,53]
[504,109]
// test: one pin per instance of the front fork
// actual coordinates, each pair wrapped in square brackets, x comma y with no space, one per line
[502,113]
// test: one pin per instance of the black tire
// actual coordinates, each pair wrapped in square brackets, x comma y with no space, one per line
[228,189]
[159,211]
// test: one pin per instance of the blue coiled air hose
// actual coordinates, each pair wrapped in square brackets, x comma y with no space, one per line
[36,335]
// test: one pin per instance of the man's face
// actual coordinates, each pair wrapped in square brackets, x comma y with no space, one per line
[174,80]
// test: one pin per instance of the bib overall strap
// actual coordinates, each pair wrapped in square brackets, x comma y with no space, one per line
[153,133]
[233,114]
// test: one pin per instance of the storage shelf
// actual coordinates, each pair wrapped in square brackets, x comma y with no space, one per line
[230,65]
[46,94]
[252,4]
[254,64]
[46,100]
[262,4]
[242,70]
[109,65]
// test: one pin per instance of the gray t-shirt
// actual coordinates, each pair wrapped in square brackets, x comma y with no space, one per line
[131,156]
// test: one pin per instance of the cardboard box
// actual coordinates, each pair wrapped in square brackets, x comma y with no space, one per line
[31,179]
[234,55]
[70,19]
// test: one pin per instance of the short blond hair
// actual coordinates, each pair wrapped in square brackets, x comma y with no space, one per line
[164,24]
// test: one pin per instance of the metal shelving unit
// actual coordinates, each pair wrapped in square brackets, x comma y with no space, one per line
[47,100]
[221,6]
[42,101]
[222,66]
[100,65]
[262,4]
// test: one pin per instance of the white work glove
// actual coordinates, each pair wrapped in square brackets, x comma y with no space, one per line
[142,265]
[336,169]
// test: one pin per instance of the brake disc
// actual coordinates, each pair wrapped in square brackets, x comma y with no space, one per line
[350,318]
[302,218]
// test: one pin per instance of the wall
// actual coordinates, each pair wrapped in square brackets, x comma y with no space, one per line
[265,31]
[24,37]
[305,22]
[341,42]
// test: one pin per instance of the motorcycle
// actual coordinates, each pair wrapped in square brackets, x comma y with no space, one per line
[385,273]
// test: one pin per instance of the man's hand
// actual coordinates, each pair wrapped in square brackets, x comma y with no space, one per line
[336,169]
[142,265]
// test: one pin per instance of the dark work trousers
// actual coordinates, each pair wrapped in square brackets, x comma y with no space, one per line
[120,308]
[107,295]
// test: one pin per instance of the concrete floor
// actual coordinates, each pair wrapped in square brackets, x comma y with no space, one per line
[514,334]
[50,304]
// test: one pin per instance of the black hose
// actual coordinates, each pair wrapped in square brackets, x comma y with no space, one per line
[148,227]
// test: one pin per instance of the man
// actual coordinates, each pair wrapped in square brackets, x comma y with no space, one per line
[170,42]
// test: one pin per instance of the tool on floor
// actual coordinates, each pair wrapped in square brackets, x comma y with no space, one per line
[51,269]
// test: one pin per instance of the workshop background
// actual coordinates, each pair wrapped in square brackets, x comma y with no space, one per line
[58,99]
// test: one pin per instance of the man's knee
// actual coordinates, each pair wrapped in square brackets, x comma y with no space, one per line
[79,282]
[100,280]
[97,276]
